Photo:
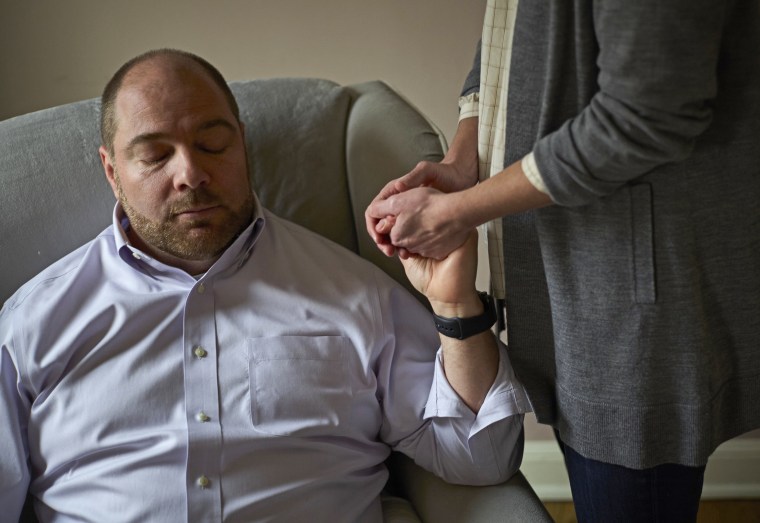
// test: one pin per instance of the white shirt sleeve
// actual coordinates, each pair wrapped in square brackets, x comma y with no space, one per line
[14,471]
[426,419]
[468,106]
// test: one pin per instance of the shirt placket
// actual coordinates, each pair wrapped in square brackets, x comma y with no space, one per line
[203,471]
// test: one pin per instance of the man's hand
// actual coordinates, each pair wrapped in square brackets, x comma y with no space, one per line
[448,284]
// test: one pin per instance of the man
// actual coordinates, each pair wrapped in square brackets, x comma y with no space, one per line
[616,144]
[203,360]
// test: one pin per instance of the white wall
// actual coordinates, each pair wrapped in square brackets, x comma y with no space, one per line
[54,51]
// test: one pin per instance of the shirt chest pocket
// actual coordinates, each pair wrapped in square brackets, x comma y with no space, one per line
[299,385]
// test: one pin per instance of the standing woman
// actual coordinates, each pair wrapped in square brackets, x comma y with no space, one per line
[612,148]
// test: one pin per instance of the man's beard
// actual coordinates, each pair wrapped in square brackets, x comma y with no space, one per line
[195,240]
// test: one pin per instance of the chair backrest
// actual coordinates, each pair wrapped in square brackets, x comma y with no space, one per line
[318,153]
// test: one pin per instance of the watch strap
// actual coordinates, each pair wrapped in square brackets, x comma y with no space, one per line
[461,328]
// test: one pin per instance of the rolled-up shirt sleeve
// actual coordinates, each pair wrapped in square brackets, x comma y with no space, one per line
[493,435]
[505,398]
[428,421]
[468,106]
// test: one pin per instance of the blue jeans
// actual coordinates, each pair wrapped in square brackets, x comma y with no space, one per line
[606,493]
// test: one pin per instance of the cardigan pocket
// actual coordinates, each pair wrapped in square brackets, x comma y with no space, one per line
[642,238]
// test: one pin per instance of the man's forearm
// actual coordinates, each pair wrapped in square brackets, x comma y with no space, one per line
[471,364]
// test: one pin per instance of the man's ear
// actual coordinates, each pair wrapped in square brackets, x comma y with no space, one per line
[108,167]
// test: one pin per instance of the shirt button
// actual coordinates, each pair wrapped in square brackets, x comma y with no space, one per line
[203,417]
[201,288]
[200,352]
[203,482]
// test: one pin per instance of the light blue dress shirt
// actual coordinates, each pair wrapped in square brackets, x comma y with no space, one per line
[269,389]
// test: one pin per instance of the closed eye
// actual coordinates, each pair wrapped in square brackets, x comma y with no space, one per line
[215,137]
[154,160]
[213,149]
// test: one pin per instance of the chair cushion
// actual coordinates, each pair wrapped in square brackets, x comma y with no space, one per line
[54,194]
[296,129]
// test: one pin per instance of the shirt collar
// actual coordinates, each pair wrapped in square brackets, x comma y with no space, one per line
[234,256]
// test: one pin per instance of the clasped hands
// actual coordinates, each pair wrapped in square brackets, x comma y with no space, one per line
[416,216]
[420,212]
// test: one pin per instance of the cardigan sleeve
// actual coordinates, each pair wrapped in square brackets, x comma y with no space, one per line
[472,82]
[658,65]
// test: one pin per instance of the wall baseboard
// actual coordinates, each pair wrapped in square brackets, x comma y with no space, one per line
[733,471]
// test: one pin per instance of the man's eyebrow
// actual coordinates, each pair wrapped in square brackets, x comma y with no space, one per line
[144,138]
[150,137]
[218,122]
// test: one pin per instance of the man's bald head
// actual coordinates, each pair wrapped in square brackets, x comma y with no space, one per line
[108,120]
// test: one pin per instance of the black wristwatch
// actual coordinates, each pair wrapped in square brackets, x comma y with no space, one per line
[461,328]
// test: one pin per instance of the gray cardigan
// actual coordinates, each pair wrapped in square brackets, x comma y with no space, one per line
[633,305]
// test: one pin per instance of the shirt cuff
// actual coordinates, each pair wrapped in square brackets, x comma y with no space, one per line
[530,168]
[468,106]
[506,398]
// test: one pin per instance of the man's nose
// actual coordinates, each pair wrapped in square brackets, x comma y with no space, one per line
[189,171]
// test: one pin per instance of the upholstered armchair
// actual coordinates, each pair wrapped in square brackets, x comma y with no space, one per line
[319,152]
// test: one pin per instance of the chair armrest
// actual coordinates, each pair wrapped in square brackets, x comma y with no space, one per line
[437,501]
[398,510]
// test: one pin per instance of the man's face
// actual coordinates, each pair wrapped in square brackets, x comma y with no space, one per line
[179,164]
